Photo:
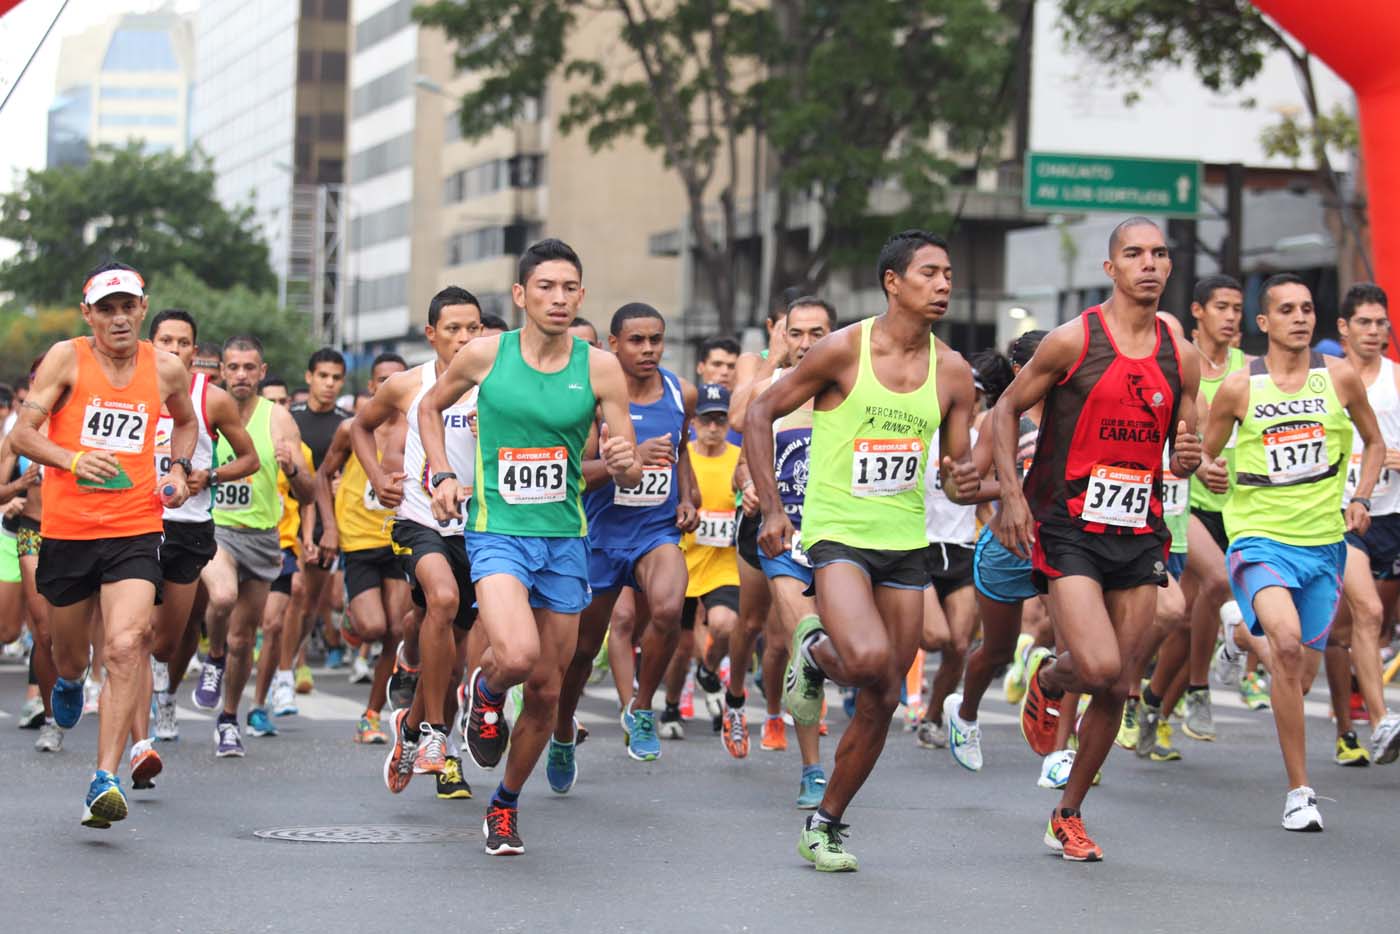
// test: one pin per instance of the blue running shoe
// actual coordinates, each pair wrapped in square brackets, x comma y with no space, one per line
[560,767]
[66,698]
[335,657]
[626,719]
[643,744]
[809,794]
[105,801]
[259,723]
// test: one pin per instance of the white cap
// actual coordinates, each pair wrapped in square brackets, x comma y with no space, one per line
[111,282]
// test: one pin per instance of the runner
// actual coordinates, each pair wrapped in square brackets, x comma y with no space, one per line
[102,518]
[249,554]
[882,387]
[634,535]
[539,388]
[1116,389]
[718,360]
[1289,413]
[584,330]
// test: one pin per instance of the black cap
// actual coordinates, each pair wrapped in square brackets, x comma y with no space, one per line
[713,398]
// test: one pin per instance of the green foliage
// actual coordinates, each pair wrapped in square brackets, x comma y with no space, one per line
[155,212]
[1291,137]
[24,337]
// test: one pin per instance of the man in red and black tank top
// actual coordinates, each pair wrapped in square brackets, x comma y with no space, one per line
[1117,387]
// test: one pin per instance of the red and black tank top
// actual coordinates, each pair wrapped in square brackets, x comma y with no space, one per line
[1098,460]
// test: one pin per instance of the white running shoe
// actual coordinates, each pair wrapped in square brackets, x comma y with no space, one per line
[283,699]
[50,738]
[360,672]
[1300,810]
[92,694]
[964,737]
[1229,657]
[167,728]
[1055,769]
[160,676]
[1385,740]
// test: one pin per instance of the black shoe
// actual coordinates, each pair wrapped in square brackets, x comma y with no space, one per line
[402,685]
[450,783]
[487,729]
[499,830]
[709,681]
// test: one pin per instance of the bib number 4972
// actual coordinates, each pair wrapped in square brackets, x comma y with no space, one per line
[885,466]
[525,476]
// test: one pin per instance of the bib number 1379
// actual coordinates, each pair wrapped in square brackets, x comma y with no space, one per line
[885,466]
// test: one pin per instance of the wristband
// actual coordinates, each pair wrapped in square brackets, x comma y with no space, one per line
[73,464]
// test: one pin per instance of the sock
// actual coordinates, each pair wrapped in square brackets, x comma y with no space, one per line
[672,712]
[504,797]
[775,716]
[454,744]
[819,816]
[411,734]
[1191,688]
[1151,699]
[228,718]
[734,701]
[283,676]
[218,662]
[488,695]
[1069,812]
[813,769]
[439,727]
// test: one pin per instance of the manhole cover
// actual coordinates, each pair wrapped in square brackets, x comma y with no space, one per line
[366,833]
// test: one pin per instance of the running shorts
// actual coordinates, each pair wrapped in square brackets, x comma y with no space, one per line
[902,570]
[746,539]
[1214,523]
[949,567]
[27,537]
[414,542]
[71,571]
[257,552]
[187,548]
[553,570]
[1176,565]
[283,584]
[1382,545]
[1116,562]
[785,565]
[1312,574]
[9,559]
[615,568]
[997,573]
[369,568]
[726,596]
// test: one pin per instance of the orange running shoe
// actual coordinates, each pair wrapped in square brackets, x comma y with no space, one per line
[736,733]
[1065,834]
[398,765]
[431,755]
[774,735]
[145,765]
[1040,715]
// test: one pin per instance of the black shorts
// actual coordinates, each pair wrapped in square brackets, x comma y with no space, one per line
[1382,546]
[726,596]
[1116,562]
[283,583]
[902,570]
[949,567]
[369,568]
[412,542]
[1214,523]
[71,571]
[187,548]
[746,539]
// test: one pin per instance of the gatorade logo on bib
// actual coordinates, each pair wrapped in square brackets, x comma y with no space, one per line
[1118,496]
[527,476]
[1295,451]
[885,466]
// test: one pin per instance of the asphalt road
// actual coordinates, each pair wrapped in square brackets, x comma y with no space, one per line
[694,842]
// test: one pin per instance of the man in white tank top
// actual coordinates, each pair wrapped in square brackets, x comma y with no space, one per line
[433,553]
[189,537]
[1372,579]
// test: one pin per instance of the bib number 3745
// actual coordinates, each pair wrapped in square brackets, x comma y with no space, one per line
[1118,496]
[526,476]
[885,466]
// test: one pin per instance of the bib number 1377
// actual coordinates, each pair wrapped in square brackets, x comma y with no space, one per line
[885,466]
[526,476]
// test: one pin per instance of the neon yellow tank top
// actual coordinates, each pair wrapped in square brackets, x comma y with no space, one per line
[1201,497]
[252,502]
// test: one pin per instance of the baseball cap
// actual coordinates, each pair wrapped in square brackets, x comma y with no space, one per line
[111,282]
[713,398]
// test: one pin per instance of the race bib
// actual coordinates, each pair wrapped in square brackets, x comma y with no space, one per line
[716,529]
[885,466]
[1118,496]
[652,490]
[528,476]
[798,553]
[1295,452]
[1175,493]
[1354,477]
[371,500]
[235,494]
[113,426]
[165,425]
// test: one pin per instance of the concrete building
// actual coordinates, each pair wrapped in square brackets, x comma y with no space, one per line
[128,78]
[271,88]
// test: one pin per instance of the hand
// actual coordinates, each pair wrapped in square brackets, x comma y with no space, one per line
[1215,475]
[960,480]
[1187,455]
[389,491]
[1013,525]
[775,538]
[198,481]
[14,507]
[471,422]
[657,452]
[447,500]
[178,496]
[618,453]
[97,466]
[32,476]
[750,500]
[1392,459]
[285,452]
[309,551]
[1358,518]
[687,516]
[328,547]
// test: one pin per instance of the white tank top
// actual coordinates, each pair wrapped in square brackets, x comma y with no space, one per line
[944,520]
[196,508]
[1385,402]
[461,455]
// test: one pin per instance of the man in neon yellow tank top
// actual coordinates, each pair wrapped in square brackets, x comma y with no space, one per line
[881,388]
[539,390]
[1293,410]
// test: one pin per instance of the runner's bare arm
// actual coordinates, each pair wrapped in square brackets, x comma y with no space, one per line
[336,456]
[618,444]
[467,369]
[739,403]
[961,478]
[688,501]
[1351,392]
[286,441]
[223,416]
[1225,413]
[393,395]
[51,384]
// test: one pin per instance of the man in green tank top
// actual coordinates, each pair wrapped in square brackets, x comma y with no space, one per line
[249,555]
[1292,414]
[540,387]
[882,387]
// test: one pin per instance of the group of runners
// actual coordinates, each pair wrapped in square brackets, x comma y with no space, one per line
[1105,514]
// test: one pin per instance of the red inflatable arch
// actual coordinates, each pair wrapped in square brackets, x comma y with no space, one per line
[1358,40]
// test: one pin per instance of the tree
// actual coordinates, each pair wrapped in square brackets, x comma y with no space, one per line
[154,211]
[1225,43]
[847,94]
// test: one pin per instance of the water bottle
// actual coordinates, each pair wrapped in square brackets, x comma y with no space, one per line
[167,494]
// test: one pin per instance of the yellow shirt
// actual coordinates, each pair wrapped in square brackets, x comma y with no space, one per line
[362,522]
[709,550]
[289,528]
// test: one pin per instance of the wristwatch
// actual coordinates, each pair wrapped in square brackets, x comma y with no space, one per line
[439,477]
[185,463]
[213,477]
[1363,500]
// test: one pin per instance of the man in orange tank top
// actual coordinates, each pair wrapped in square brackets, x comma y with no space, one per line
[102,518]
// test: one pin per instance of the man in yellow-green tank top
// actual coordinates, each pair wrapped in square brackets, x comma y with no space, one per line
[881,389]
[1292,413]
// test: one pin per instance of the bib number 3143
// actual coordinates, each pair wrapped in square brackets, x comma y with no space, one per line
[1118,496]
[526,476]
[885,466]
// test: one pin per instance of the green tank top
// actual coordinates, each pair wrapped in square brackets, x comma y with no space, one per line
[865,486]
[1201,496]
[1176,515]
[531,428]
[253,502]
[1291,458]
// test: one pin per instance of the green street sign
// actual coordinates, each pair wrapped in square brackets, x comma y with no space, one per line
[1062,182]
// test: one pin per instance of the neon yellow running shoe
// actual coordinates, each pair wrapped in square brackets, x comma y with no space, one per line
[821,844]
[1128,729]
[1013,686]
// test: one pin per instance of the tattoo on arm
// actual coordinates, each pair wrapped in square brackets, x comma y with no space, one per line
[35,406]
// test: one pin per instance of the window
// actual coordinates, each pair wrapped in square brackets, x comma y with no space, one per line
[140,50]
[383,24]
[140,94]
[330,170]
[138,120]
[385,292]
[335,10]
[306,125]
[468,246]
[386,157]
[333,67]
[522,171]
[306,66]
[330,126]
[308,9]
[380,226]
[383,91]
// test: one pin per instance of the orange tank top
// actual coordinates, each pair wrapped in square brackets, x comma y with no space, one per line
[100,417]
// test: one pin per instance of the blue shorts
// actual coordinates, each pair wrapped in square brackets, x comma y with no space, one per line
[1176,565]
[553,570]
[785,565]
[998,574]
[1312,574]
[614,568]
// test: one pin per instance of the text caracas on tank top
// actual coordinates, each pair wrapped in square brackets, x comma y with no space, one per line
[198,507]
[1098,460]
[417,503]
[100,417]
[1385,402]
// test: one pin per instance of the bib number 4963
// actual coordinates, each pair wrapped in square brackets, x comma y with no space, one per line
[526,476]
[885,466]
